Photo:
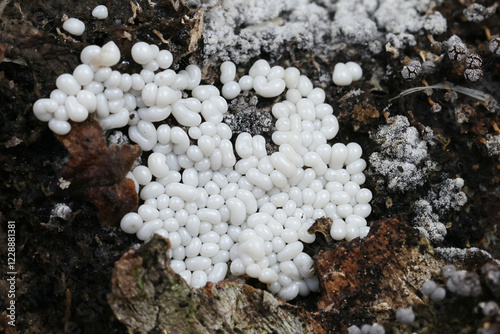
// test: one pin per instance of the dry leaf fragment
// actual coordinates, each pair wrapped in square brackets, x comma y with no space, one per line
[97,172]
[322,225]
[92,162]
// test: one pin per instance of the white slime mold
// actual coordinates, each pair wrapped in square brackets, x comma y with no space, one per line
[224,208]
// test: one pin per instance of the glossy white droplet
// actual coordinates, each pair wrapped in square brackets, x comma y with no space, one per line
[142,53]
[230,90]
[100,12]
[74,26]
[68,84]
[338,230]
[131,223]
[355,70]
[341,75]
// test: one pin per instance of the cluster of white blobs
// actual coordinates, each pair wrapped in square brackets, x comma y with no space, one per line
[76,27]
[345,74]
[218,203]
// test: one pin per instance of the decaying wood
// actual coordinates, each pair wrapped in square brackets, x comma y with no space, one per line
[147,295]
[361,282]
[367,280]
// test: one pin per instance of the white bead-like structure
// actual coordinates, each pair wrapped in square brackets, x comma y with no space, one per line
[345,74]
[100,12]
[226,209]
[74,26]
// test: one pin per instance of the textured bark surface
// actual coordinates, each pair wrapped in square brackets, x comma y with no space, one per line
[148,296]
[362,282]
[367,280]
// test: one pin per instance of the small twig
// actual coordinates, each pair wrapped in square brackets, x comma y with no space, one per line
[479,95]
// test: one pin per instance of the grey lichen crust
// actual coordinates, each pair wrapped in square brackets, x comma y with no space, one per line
[427,221]
[392,20]
[448,195]
[451,254]
[404,164]
[429,212]
[239,30]
[403,160]
[493,144]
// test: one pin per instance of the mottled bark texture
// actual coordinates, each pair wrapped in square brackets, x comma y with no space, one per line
[148,296]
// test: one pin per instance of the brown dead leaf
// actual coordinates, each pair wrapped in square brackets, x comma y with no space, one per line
[364,112]
[92,162]
[97,172]
[113,201]
[322,225]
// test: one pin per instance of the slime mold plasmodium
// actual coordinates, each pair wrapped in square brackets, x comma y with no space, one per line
[227,206]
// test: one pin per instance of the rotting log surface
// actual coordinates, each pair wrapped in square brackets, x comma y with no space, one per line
[57,256]
[361,282]
[147,295]
[367,280]
[65,264]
